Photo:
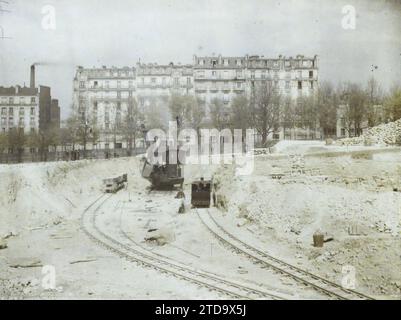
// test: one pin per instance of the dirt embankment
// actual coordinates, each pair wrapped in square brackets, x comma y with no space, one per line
[355,201]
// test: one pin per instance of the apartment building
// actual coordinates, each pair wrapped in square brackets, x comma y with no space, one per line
[226,77]
[29,108]
[101,95]
[101,98]
[156,83]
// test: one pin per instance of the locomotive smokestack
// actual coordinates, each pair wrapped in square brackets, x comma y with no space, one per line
[32,84]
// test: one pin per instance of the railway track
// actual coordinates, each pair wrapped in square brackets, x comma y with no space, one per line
[307,278]
[146,259]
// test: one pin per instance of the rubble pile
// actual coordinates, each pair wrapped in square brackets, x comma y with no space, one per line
[384,134]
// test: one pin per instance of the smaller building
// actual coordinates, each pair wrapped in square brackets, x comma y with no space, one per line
[29,108]
[19,108]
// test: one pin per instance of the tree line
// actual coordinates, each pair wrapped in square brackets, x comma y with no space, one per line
[266,110]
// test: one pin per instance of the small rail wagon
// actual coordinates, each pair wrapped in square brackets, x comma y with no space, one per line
[201,191]
[112,185]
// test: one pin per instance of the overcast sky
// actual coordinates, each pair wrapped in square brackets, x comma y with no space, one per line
[119,32]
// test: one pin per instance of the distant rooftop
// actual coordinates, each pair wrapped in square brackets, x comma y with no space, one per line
[18,91]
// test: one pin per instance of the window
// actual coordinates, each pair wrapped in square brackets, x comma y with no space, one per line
[11,111]
[32,111]
[201,74]
[287,84]
[214,63]
[176,81]
[225,74]
[239,73]
[33,99]
[119,106]
[201,62]
[163,81]
[21,111]
[239,85]
[226,62]
[188,81]
[311,85]
[214,73]
[107,83]
[287,63]
[3,110]
[226,99]
[130,83]
[311,74]
[82,84]
[238,62]
[263,75]
[252,74]
[95,84]
[299,85]
[11,100]
[299,74]
[118,84]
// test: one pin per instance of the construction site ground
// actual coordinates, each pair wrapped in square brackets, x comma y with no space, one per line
[353,198]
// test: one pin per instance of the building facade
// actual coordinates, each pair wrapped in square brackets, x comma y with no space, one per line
[19,108]
[226,77]
[161,81]
[102,95]
[29,108]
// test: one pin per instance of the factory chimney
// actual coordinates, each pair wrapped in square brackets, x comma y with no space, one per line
[33,76]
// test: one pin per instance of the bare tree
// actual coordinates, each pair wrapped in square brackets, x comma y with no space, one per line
[288,115]
[266,109]
[374,99]
[178,106]
[240,117]
[71,130]
[195,112]
[393,104]
[219,114]
[153,118]
[190,110]
[327,104]
[132,124]
[354,100]
[306,113]
[16,142]
[3,142]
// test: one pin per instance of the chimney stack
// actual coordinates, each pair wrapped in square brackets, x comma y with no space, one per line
[33,76]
